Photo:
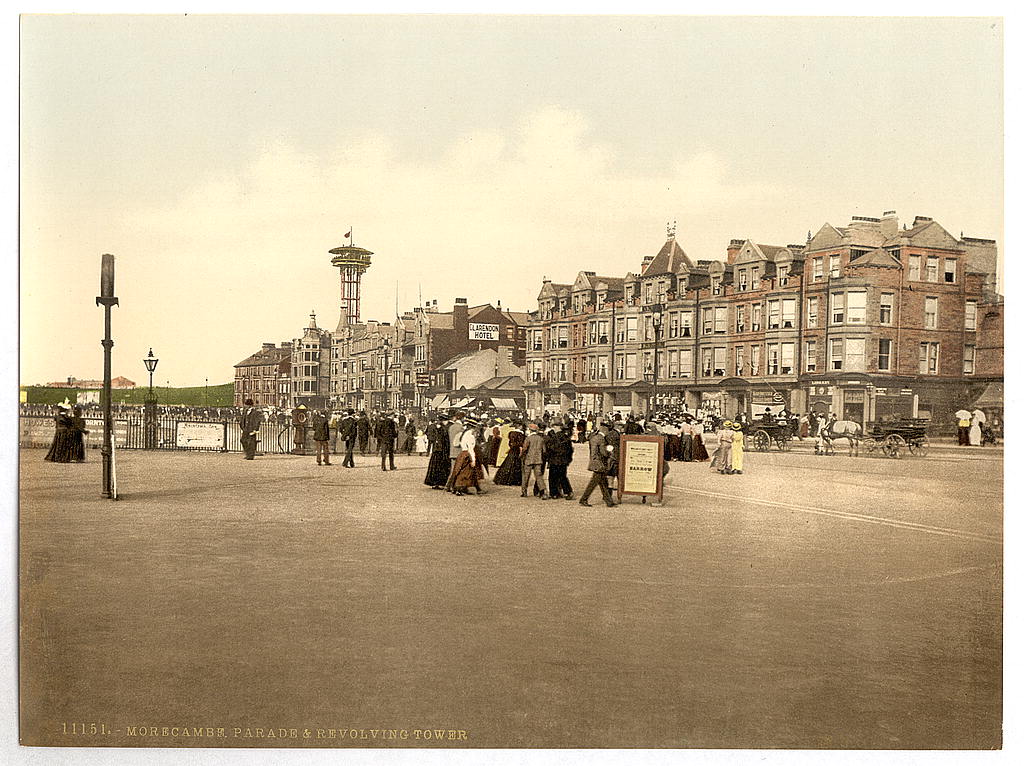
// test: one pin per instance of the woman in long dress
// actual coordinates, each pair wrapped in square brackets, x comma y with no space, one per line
[439,465]
[722,461]
[469,469]
[62,450]
[78,436]
[510,474]
[977,419]
[700,452]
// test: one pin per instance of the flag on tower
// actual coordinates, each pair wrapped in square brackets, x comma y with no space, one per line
[349,234]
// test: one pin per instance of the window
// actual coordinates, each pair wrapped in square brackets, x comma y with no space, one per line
[884,354]
[563,368]
[685,323]
[773,359]
[739,361]
[786,362]
[755,360]
[812,312]
[931,269]
[741,280]
[811,355]
[719,361]
[788,312]
[538,339]
[705,362]
[755,277]
[740,316]
[783,275]
[817,265]
[931,313]
[914,268]
[885,308]
[773,315]
[971,315]
[968,359]
[836,354]
[928,359]
[708,320]
[673,364]
[631,328]
[856,307]
[855,354]
[716,285]
[647,292]
[720,319]
[838,304]
[685,362]
[563,337]
[673,325]
[949,270]
[602,332]
[755,317]
[833,267]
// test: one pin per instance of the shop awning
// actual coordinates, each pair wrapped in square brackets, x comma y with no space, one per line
[461,403]
[439,402]
[504,404]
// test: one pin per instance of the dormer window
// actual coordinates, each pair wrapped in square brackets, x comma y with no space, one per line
[716,285]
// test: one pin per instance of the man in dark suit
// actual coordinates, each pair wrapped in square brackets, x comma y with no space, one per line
[386,433]
[250,422]
[347,432]
[363,432]
[598,466]
[321,437]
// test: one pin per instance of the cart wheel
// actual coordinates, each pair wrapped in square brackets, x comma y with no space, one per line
[919,447]
[784,443]
[762,441]
[894,445]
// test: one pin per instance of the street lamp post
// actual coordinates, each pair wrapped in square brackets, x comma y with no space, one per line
[387,365]
[652,376]
[149,408]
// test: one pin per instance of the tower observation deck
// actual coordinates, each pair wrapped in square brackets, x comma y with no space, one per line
[352,262]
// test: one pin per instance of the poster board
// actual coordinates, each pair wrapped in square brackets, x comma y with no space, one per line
[200,435]
[641,458]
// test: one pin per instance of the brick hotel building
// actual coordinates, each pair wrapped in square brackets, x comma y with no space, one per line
[867,321]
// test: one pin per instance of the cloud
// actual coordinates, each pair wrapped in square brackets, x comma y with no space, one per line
[241,257]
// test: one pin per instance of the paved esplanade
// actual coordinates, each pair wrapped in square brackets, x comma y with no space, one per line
[811,602]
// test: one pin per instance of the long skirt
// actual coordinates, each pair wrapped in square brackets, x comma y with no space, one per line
[511,472]
[62,450]
[438,468]
[737,454]
[466,474]
[975,435]
[673,447]
[700,452]
[723,457]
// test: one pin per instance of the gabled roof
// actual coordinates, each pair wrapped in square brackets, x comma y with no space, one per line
[549,289]
[876,257]
[265,356]
[669,260]
[504,382]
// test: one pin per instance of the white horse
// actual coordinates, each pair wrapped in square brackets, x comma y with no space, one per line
[842,429]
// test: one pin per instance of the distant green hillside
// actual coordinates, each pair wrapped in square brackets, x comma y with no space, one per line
[197,396]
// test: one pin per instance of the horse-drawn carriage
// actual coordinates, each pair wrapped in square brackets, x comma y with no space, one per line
[894,437]
[763,435]
[890,437]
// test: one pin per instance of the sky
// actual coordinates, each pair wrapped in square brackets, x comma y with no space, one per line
[220,159]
